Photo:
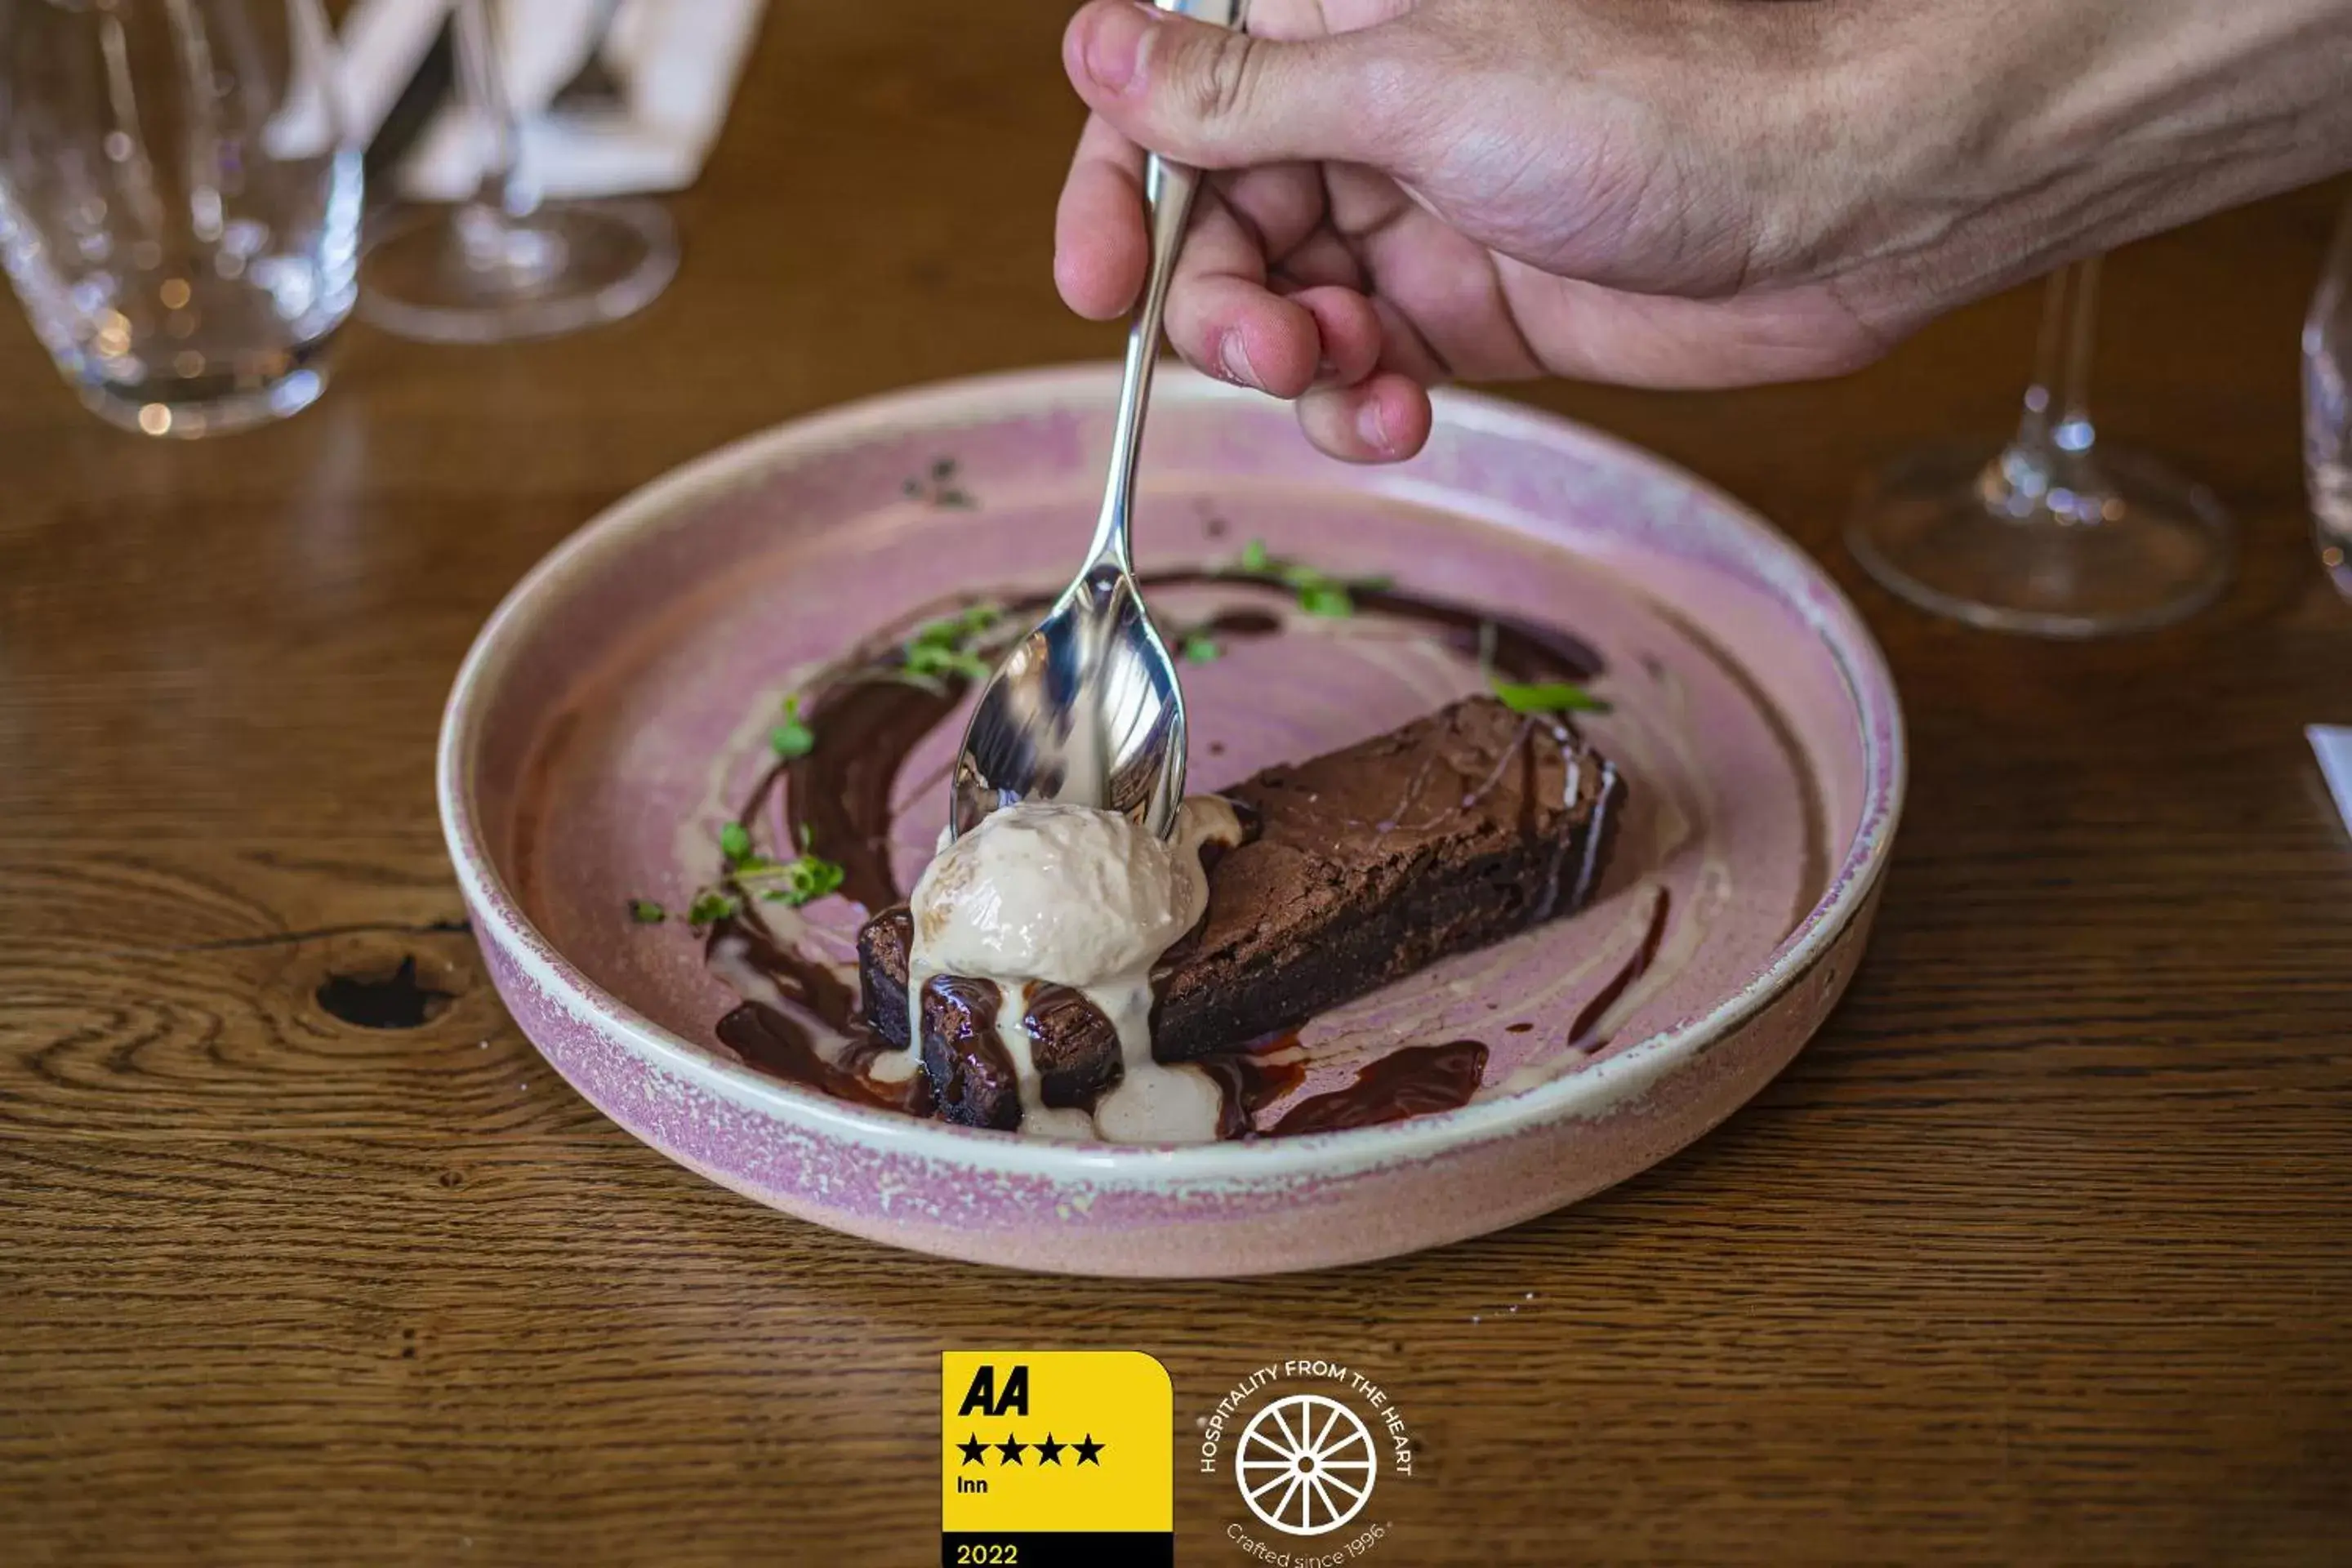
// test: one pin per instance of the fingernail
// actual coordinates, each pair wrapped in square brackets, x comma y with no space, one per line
[1373,425]
[1233,355]
[1115,47]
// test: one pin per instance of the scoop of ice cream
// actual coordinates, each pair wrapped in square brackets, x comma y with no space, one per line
[1065,894]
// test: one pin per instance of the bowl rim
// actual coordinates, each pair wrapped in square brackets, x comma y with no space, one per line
[1783,568]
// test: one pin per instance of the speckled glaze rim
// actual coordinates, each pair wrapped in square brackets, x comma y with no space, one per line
[1746,546]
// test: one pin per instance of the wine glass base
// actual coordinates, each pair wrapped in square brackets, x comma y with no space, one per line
[188,412]
[2150,549]
[471,274]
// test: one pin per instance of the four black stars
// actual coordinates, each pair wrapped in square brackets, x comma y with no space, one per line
[1049,1452]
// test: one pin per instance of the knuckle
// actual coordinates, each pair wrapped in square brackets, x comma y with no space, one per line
[1218,86]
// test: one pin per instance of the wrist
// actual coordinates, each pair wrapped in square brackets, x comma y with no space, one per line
[1993,143]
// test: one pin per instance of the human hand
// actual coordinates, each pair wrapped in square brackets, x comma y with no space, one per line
[1667,195]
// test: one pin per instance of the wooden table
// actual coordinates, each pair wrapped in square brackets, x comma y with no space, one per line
[2042,1252]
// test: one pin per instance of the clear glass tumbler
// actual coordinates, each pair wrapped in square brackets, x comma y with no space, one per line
[179,202]
[2327,408]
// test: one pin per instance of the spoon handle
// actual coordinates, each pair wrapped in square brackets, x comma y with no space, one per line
[1169,187]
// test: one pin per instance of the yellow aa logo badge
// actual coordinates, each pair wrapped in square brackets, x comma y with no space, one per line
[1055,1459]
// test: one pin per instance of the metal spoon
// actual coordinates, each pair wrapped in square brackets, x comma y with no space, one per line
[1087,708]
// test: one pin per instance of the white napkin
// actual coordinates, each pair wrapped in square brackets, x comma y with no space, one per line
[677,62]
[2333,742]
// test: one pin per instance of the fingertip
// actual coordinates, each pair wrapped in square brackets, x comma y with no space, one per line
[1383,420]
[1281,343]
[1102,46]
[1074,46]
[1091,284]
[1406,416]
[1239,332]
[1101,249]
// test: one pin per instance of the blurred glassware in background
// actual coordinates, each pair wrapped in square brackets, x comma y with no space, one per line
[179,205]
[2059,533]
[2327,408]
[507,265]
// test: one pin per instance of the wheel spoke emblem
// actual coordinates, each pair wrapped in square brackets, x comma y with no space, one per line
[1305,1465]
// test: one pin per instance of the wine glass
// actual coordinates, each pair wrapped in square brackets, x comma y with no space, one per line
[505,265]
[179,204]
[2058,533]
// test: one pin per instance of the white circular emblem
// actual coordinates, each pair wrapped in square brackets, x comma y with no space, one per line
[1305,1465]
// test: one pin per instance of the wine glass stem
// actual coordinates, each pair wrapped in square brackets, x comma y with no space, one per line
[2050,452]
[2074,433]
[481,81]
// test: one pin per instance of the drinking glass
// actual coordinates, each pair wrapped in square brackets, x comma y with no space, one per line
[505,265]
[179,207]
[2327,408]
[2059,533]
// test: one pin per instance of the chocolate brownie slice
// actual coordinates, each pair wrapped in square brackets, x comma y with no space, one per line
[1365,865]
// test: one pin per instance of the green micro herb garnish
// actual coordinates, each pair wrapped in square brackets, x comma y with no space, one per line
[1327,599]
[646,912]
[1319,593]
[1202,649]
[792,738]
[711,904]
[934,659]
[958,628]
[802,881]
[1545,697]
[947,646]
[1532,697]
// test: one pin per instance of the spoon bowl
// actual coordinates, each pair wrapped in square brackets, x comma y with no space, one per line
[1086,710]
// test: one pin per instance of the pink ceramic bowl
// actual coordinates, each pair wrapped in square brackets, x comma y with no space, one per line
[606,705]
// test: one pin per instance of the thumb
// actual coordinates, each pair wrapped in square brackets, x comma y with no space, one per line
[1219,99]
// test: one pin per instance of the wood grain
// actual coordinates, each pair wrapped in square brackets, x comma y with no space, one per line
[2042,1253]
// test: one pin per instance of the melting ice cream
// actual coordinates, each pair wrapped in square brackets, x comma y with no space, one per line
[1047,894]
